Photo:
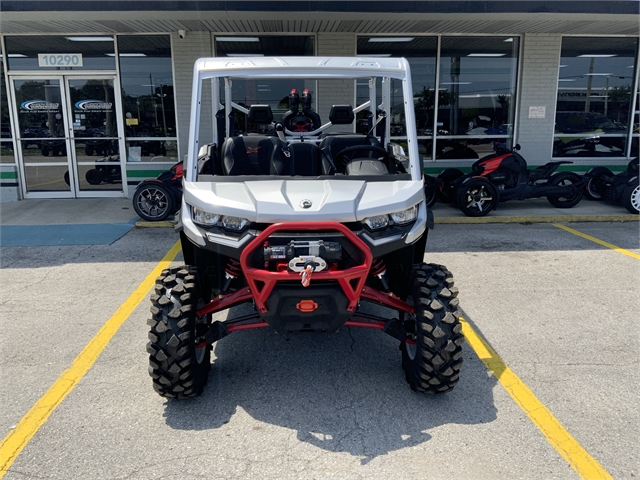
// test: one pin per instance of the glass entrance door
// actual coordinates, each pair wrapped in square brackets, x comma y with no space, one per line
[94,137]
[69,138]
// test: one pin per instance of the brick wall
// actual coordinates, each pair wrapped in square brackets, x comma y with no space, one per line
[185,52]
[335,92]
[540,58]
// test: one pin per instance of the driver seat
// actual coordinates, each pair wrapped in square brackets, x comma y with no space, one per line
[332,144]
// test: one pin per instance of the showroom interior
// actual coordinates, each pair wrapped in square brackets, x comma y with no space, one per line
[96,95]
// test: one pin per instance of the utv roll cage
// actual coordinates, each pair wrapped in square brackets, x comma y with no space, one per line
[379,73]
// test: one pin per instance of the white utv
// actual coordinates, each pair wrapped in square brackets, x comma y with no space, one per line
[306,220]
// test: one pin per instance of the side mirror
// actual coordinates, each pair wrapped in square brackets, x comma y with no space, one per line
[517,147]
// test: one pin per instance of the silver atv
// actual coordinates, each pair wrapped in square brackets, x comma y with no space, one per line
[305,220]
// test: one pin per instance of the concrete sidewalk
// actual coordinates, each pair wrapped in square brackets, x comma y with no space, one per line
[85,221]
[91,221]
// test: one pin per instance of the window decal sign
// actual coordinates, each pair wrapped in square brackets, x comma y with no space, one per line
[39,106]
[93,106]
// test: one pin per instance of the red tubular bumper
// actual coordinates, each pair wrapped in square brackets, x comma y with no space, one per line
[261,282]
[269,279]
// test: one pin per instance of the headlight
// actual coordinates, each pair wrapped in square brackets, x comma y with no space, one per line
[405,216]
[234,223]
[398,218]
[377,222]
[207,219]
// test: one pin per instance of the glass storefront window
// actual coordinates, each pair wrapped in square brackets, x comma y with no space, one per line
[274,93]
[60,53]
[477,91]
[595,84]
[6,143]
[421,53]
[146,76]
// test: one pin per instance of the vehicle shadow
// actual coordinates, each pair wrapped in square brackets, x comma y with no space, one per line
[342,392]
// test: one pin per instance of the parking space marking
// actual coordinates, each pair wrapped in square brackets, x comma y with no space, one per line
[598,241]
[17,439]
[584,464]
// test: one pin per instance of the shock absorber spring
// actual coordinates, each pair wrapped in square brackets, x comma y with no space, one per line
[231,271]
[379,270]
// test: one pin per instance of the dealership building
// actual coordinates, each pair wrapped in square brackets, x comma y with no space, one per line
[96,96]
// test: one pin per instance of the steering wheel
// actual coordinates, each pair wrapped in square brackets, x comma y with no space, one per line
[346,155]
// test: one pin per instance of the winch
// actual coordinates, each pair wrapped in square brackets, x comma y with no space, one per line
[300,253]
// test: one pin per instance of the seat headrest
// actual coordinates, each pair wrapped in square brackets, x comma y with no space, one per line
[341,114]
[260,114]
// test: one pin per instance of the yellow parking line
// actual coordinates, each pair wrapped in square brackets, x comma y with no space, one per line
[17,439]
[598,241]
[584,464]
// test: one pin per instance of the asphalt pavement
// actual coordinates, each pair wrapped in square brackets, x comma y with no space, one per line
[559,309]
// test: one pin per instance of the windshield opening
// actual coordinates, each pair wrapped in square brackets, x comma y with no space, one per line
[302,128]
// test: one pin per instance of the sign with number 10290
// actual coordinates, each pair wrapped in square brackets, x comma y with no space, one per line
[59,59]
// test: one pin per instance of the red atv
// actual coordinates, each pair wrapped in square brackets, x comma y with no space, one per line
[504,176]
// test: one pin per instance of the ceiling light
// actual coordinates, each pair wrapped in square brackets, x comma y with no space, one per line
[90,39]
[567,79]
[599,55]
[237,39]
[486,55]
[245,54]
[126,54]
[390,39]
[510,39]
[455,83]
[562,66]
[15,55]
[598,74]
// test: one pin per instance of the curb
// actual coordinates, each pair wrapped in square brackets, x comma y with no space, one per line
[538,219]
[145,224]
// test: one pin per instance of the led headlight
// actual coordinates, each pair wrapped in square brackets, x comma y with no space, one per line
[207,219]
[405,216]
[234,223]
[377,222]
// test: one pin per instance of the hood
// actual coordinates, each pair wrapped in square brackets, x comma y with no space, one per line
[272,201]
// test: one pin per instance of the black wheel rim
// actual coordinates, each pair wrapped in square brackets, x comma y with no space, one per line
[566,182]
[153,202]
[478,198]
[201,325]
[595,187]
[410,344]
